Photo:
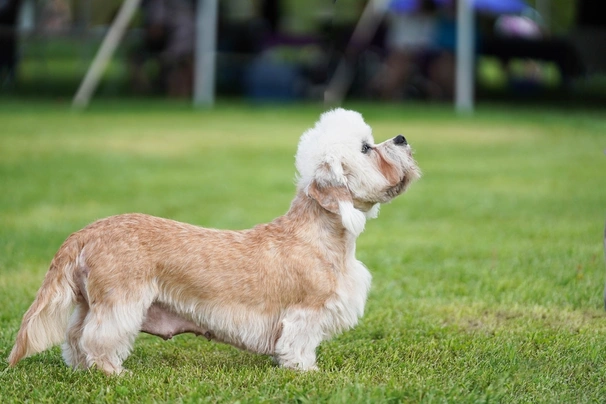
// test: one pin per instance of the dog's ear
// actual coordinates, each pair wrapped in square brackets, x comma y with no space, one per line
[328,196]
[329,189]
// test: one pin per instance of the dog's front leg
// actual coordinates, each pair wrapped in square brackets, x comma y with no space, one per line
[301,335]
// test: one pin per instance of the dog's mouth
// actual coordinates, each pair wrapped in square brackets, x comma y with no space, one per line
[397,189]
[383,196]
[408,177]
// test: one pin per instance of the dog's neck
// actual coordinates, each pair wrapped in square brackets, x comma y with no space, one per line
[325,228]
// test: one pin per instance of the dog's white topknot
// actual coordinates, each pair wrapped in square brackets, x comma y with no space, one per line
[334,135]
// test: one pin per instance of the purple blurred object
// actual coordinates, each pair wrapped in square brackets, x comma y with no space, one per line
[488,6]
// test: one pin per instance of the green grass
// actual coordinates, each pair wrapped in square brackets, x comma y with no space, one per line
[487,276]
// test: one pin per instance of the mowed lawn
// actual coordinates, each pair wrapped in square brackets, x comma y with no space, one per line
[488,275]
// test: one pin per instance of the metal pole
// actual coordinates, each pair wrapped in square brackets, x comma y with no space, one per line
[105,53]
[366,27]
[464,86]
[205,52]
[544,9]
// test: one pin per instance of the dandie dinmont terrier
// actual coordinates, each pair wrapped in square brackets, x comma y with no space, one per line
[278,289]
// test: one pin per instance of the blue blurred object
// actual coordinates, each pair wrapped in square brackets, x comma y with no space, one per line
[404,6]
[500,6]
[268,79]
[489,6]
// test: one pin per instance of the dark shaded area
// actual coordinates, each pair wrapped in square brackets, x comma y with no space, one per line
[9,10]
[260,58]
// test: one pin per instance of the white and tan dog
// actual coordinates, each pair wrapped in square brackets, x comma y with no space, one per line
[278,289]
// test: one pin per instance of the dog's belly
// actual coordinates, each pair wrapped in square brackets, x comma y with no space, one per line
[236,325]
[164,323]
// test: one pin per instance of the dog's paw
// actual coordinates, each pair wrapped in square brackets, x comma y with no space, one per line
[299,367]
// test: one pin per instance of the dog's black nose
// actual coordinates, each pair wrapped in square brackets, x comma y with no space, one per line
[400,140]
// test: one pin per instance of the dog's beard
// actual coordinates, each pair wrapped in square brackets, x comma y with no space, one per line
[409,173]
[396,190]
[383,196]
[409,176]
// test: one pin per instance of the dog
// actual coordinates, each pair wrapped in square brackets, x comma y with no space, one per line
[277,289]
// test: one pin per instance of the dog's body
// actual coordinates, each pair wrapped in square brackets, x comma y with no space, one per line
[278,288]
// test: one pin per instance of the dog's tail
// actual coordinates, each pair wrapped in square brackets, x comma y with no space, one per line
[45,322]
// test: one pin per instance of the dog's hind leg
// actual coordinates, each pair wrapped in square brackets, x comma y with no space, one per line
[109,332]
[301,335]
[72,351]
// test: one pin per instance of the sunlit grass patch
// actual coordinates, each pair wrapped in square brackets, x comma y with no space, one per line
[487,275]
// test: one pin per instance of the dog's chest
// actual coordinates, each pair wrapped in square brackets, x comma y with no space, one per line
[347,305]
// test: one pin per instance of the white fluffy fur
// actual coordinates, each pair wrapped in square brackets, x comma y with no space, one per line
[352,219]
[334,140]
[334,137]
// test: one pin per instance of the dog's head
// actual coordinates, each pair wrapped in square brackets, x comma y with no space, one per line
[340,167]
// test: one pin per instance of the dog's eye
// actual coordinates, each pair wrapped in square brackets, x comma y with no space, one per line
[366,148]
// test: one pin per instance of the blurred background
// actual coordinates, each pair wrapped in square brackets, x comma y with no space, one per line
[287,50]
